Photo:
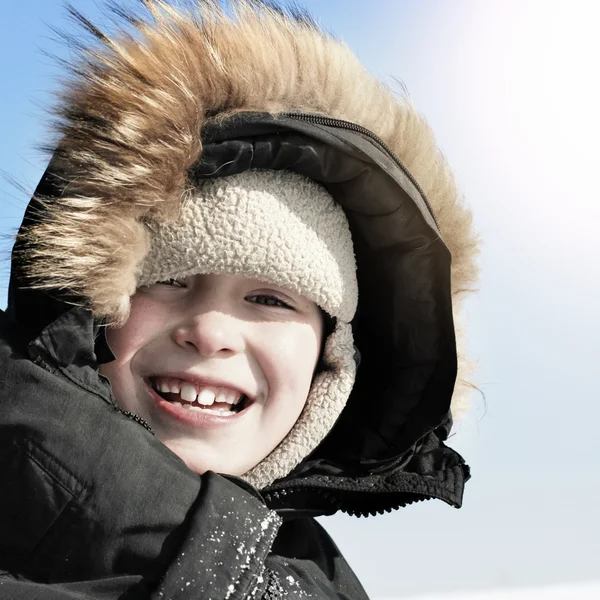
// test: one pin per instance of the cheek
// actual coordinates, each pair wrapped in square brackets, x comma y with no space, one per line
[290,356]
[127,340]
[125,343]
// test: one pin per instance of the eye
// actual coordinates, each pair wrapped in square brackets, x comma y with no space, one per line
[179,283]
[269,300]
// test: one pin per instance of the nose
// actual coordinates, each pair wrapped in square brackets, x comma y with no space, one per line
[210,334]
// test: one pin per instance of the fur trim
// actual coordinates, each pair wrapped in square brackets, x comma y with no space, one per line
[129,130]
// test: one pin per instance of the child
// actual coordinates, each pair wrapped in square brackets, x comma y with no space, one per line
[236,216]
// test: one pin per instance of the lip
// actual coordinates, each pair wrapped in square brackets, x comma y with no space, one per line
[195,418]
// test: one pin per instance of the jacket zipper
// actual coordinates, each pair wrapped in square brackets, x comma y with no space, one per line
[136,418]
[341,124]
[330,497]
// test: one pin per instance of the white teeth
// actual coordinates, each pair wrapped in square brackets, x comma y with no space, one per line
[188,392]
[206,397]
[228,397]
[221,412]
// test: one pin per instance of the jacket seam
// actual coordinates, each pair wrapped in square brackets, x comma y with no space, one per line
[50,458]
[74,495]
[265,541]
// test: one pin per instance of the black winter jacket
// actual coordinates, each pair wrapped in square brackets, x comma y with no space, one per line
[93,506]
[96,507]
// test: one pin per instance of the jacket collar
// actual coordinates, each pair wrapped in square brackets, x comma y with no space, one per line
[72,347]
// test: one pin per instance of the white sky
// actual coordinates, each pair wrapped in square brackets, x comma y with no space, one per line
[511,88]
[589,590]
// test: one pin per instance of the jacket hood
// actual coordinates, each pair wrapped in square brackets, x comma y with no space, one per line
[258,87]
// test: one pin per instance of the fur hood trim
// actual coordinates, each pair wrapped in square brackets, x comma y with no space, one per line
[129,121]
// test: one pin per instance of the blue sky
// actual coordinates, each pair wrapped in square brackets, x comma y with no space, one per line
[509,89]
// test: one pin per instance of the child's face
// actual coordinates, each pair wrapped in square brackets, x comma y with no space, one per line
[218,336]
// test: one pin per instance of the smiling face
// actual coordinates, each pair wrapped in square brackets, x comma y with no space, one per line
[220,366]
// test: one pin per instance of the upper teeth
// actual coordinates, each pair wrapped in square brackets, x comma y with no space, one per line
[202,395]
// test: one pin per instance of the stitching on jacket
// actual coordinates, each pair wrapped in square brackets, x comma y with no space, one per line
[29,448]
[75,495]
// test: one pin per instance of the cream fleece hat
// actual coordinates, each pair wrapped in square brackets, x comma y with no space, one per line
[281,228]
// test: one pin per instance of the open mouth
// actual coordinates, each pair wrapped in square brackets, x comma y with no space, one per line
[214,400]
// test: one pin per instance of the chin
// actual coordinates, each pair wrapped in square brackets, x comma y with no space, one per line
[199,458]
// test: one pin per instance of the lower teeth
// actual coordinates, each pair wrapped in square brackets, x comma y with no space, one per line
[222,412]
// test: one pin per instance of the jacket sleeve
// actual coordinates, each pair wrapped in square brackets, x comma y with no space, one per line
[92,504]
[93,507]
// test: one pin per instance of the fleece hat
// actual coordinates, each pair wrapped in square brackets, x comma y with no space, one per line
[282,228]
